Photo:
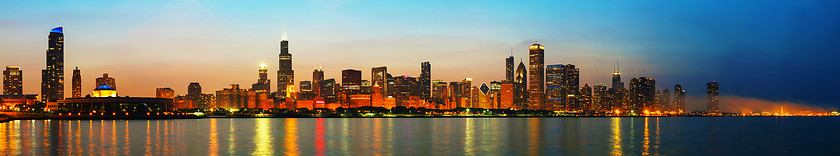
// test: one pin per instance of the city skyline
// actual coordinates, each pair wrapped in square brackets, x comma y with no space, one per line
[239,70]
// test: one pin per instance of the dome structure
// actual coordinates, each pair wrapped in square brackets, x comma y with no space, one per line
[104,91]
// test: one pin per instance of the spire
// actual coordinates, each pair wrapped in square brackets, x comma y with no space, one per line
[511,51]
[285,38]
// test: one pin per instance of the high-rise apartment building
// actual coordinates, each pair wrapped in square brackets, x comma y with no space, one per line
[52,78]
[536,78]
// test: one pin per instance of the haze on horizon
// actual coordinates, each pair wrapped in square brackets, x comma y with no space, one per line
[779,52]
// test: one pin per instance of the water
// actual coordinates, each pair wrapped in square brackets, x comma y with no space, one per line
[426,136]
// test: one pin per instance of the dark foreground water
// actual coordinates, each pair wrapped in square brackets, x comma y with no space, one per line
[426,136]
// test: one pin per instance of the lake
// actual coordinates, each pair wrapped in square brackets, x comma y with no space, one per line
[426,136]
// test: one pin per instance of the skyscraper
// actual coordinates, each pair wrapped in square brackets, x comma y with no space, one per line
[12,81]
[554,87]
[679,99]
[425,81]
[379,76]
[351,81]
[666,100]
[536,87]
[642,93]
[285,74]
[263,83]
[328,89]
[466,92]
[585,98]
[712,97]
[105,80]
[509,69]
[52,78]
[77,83]
[616,79]
[520,87]
[194,88]
[317,82]
[600,98]
[563,87]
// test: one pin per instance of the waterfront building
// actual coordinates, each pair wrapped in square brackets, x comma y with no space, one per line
[166,93]
[506,95]
[455,95]
[642,94]
[439,92]
[234,97]
[351,81]
[77,83]
[18,101]
[379,76]
[106,102]
[520,87]
[197,99]
[665,101]
[509,72]
[329,90]
[536,78]
[105,80]
[317,82]
[679,99]
[562,88]
[12,81]
[600,98]
[585,98]
[285,73]
[424,81]
[52,78]
[712,98]
[467,92]
[263,83]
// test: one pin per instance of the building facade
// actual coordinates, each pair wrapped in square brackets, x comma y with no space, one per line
[285,73]
[77,83]
[712,98]
[105,80]
[52,78]
[12,81]
[536,78]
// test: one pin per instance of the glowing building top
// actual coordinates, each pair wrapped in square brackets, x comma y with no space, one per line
[104,91]
[57,30]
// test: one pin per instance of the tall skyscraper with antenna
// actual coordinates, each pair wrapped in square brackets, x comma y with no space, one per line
[509,68]
[616,78]
[52,78]
[285,74]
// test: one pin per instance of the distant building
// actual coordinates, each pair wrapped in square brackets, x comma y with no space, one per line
[440,92]
[405,86]
[509,69]
[105,80]
[77,83]
[424,81]
[317,82]
[642,94]
[520,88]
[585,98]
[106,102]
[285,73]
[600,99]
[712,97]
[467,92]
[12,81]
[351,81]
[52,78]
[379,76]
[455,95]
[328,90]
[506,95]
[536,78]
[166,93]
[665,101]
[263,83]
[197,99]
[234,97]
[562,88]
[679,99]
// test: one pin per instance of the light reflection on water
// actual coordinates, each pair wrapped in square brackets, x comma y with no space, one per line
[423,136]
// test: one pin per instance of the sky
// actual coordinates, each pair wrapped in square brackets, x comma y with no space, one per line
[775,52]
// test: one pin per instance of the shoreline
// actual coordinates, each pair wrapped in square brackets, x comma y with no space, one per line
[3,120]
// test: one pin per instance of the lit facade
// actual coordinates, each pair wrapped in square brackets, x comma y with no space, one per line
[379,76]
[285,73]
[642,94]
[425,81]
[166,93]
[12,81]
[536,78]
[712,103]
[77,83]
[520,87]
[263,83]
[105,80]
[509,72]
[351,81]
[679,99]
[52,78]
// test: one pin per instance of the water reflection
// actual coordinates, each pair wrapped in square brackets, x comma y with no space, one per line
[290,140]
[616,136]
[262,138]
[402,136]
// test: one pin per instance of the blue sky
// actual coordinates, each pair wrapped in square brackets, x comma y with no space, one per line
[769,50]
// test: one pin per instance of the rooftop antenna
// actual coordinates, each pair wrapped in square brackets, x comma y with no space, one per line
[285,38]
[511,51]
